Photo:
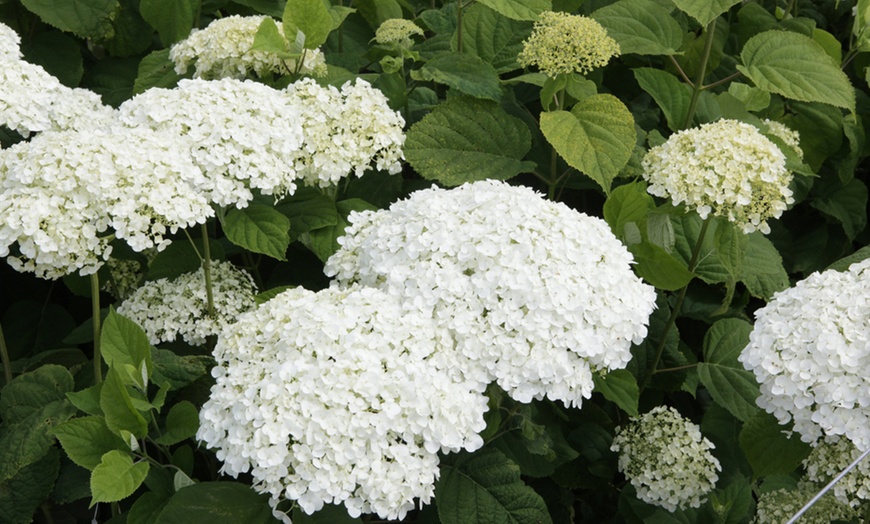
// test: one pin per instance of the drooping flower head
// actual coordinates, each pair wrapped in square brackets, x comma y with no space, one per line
[727,168]
[829,458]
[397,31]
[562,44]
[779,506]
[170,308]
[810,351]
[224,49]
[666,459]
[339,396]
[537,295]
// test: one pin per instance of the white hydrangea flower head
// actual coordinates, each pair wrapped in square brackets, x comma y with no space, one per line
[789,136]
[244,135]
[9,44]
[31,100]
[224,49]
[727,168]
[779,506]
[167,309]
[64,190]
[563,43]
[538,296]
[397,31]
[666,459]
[828,459]
[347,130]
[339,396]
[810,351]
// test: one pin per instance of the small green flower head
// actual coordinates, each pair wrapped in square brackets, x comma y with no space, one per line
[397,31]
[561,43]
[780,505]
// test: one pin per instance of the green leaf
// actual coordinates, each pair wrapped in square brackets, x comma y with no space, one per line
[90,19]
[217,503]
[27,441]
[179,258]
[687,229]
[179,371]
[270,40]
[704,11]
[670,94]
[620,387]
[518,9]
[118,407]
[116,477]
[796,67]
[596,137]
[308,210]
[497,40]
[844,263]
[309,16]
[124,343]
[86,439]
[658,267]
[628,204]
[486,487]
[733,503]
[28,393]
[21,495]
[761,269]
[730,385]
[181,423]
[173,19]
[464,140]
[768,449]
[156,70]
[258,228]
[58,53]
[753,98]
[133,35]
[376,11]
[641,27]
[87,400]
[466,73]
[848,204]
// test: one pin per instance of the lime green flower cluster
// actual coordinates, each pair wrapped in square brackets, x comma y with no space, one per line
[780,505]
[397,31]
[561,44]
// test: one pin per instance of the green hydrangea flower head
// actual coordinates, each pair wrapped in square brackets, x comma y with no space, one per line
[562,43]
[397,31]
[780,505]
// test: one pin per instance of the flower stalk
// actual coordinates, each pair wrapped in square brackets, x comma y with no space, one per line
[95,306]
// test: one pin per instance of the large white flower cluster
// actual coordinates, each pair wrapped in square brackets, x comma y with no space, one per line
[727,168]
[779,506]
[829,458]
[346,130]
[166,308]
[62,190]
[666,459]
[810,352]
[538,296]
[337,397]
[224,49]
[9,43]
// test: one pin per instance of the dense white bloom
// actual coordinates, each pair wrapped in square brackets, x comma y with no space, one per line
[727,168]
[666,459]
[829,458]
[32,100]
[346,130]
[244,135]
[63,190]
[779,506]
[167,308]
[224,49]
[537,295]
[339,396]
[810,352]
[9,42]
[397,31]
[789,136]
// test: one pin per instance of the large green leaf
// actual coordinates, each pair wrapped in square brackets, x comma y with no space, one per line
[217,503]
[466,73]
[628,204]
[125,347]
[796,67]
[518,9]
[486,487]
[182,421]
[21,495]
[91,19]
[658,267]
[116,477]
[28,393]
[156,70]
[704,11]
[308,210]
[27,441]
[670,94]
[173,19]
[86,439]
[596,137]
[464,140]
[497,40]
[761,269]
[767,447]
[117,405]
[309,16]
[620,387]
[730,385]
[258,228]
[847,203]
[642,27]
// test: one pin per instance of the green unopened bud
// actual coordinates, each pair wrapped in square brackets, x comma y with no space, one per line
[561,43]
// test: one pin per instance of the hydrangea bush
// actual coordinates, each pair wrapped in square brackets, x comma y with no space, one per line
[433,261]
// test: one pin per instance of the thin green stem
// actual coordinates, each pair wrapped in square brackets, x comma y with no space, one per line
[554,180]
[683,74]
[678,368]
[4,355]
[788,9]
[698,84]
[206,269]
[95,307]
[724,80]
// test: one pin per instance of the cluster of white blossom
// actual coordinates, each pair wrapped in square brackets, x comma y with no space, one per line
[339,396]
[789,136]
[727,168]
[9,44]
[167,308]
[538,296]
[397,31]
[225,49]
[666,459]
[829,458]
[562,44]
[779,506]
[346,130]
[124,276]
[809,353]
[62,190]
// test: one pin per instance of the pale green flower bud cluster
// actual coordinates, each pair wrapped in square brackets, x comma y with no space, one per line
[727,169]
[779,506]
[562,44]
[666,459]
[397,31]
[831,456]
[224,49]
[167,309]
[789,136]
